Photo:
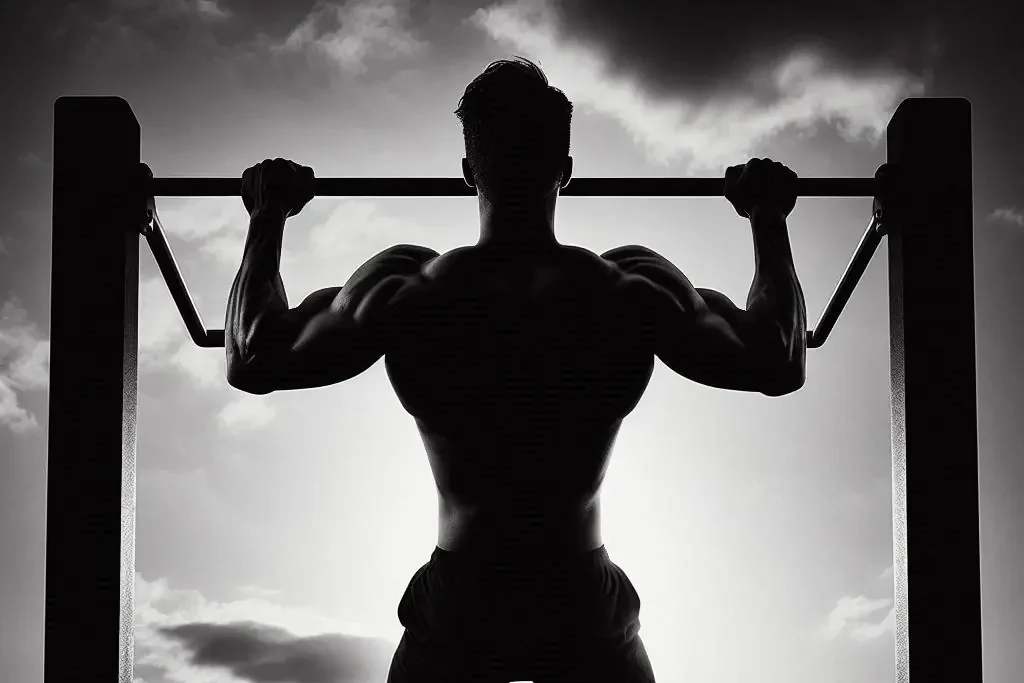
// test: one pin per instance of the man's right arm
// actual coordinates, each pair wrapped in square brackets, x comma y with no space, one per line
[776,299]
[702,335]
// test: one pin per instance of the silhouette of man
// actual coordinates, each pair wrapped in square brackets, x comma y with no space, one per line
[518,357]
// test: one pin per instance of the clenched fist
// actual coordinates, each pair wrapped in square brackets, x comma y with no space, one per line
[277,184]
[762,184]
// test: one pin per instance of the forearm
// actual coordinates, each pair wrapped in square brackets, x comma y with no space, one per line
[776,298]
[257,289]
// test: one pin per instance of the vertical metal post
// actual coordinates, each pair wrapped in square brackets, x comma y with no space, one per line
[936,533]
[90,498]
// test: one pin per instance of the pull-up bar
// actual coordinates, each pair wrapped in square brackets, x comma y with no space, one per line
[445,187]
[457,187]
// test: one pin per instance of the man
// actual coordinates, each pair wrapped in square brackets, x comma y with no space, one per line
[518,357]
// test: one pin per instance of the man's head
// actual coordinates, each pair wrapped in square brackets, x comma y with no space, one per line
[516,128]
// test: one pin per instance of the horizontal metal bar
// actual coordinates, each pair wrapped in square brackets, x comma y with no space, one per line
[858,264]
[456,187]
[164,258]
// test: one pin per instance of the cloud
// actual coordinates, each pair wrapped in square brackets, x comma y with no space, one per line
[211,9]
[216,226]
[164,10]
[164,342]
[144,32]
[24,365]
[852,615]
[257,591]
[353,33]
[795,88]
[198,219]
[706,50]
[247,412]
[1009,215]
[259,653]
[12,414]
[161,328]
[206,366]
[182,636]
[31,161]
[358,228]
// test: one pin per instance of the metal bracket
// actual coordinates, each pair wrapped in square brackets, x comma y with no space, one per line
[146,190]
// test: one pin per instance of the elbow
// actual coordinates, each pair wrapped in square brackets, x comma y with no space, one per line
[788,380]
[248,386]
[241,376]
[785,369]
[246,383]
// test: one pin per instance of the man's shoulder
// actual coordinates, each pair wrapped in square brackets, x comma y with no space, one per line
[444,265]
[628,251]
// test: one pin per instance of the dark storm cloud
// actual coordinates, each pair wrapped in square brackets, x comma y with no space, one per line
[703,123]
[264,654]
[707,47]
[172,23]
[181,24]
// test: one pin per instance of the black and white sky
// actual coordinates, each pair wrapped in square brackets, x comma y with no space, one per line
[756,530]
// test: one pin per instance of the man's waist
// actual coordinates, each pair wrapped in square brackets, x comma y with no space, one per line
[523,555]
[536,534]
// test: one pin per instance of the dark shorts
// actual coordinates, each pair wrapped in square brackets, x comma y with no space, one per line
[572,620]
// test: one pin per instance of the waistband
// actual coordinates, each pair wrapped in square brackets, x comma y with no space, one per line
[457,560]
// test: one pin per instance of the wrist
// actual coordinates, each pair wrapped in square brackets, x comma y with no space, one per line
[270,212]
[266,232]
[767,215]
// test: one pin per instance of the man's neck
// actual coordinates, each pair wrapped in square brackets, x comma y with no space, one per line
[524,223]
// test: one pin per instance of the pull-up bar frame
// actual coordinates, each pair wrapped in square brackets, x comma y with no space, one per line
[457,187]
[97,204]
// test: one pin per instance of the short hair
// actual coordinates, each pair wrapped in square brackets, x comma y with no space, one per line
[516,126]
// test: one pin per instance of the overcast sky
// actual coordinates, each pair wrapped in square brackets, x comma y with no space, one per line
[757,531]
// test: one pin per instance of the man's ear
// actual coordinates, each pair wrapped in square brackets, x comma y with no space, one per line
[566,171]
[467,173]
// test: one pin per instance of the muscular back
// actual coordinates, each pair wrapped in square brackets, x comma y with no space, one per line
[518,369]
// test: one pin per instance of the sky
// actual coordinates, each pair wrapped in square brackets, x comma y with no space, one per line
[275,534]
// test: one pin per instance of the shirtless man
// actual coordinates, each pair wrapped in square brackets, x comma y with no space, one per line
[518,357]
